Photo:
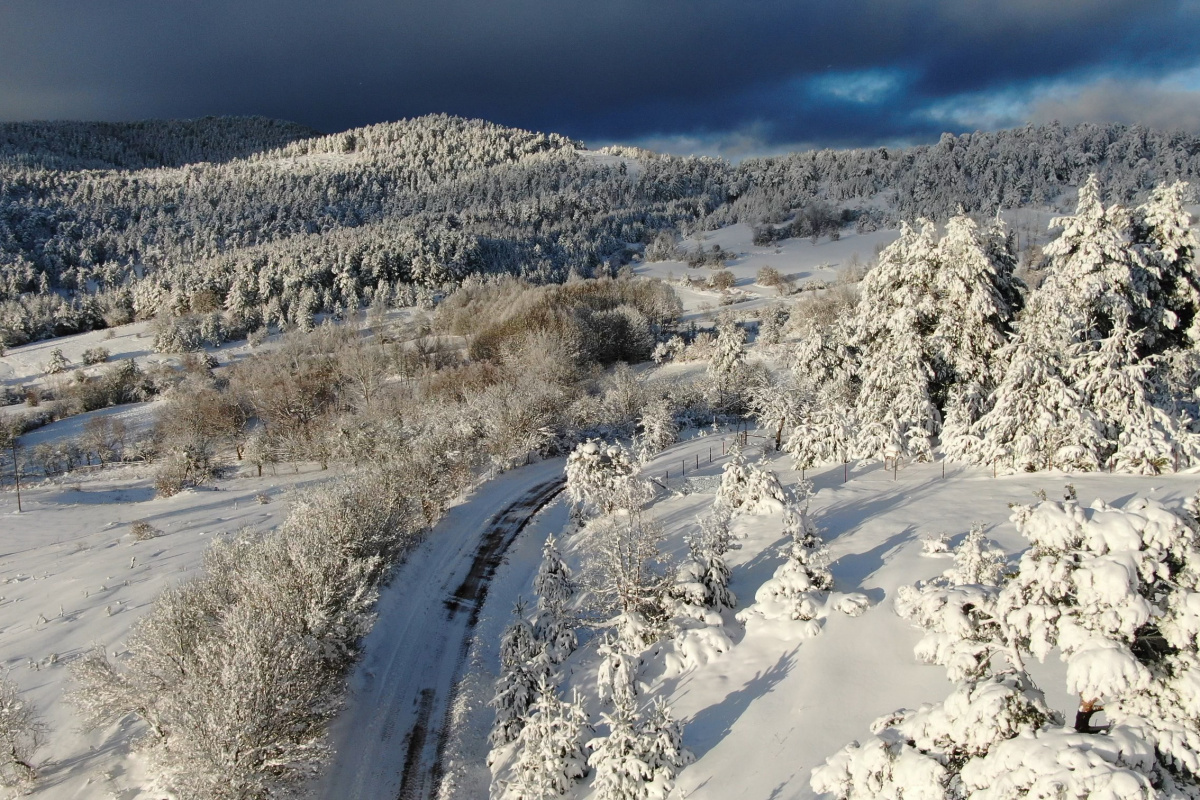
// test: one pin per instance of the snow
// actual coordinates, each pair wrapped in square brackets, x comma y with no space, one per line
[762,713]
[72,576]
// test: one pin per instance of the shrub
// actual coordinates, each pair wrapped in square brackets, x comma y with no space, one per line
[95,355]
[143,530]
[722,280]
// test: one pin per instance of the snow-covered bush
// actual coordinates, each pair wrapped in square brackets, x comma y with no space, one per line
[22,733]
[748,488]
[95,355]
[604,476]
[658,429]
[623,571]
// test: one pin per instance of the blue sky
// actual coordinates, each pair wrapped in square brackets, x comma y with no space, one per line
[706,76]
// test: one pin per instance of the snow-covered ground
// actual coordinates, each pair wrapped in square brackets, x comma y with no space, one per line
[73,576]
[762,715]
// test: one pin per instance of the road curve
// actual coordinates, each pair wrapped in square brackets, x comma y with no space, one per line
[388,736]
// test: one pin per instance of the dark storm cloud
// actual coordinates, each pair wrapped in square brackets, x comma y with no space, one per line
[845,72]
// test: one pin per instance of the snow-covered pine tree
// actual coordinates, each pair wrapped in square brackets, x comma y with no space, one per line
[1043,413]
[662,741]
[891,332]
[747,488]
[58,363]
[551,744]
[658,429]
[554,628]
[1037,421]
[725,363]
[1163,236]
[522,667]
[618,758]
[1111,589]
[974,318]
[701,585]
[773,324]
[957,610]
[796,591]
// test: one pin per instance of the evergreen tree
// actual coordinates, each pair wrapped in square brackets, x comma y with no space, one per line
[551,744]
[892,329]
[553,627]
[662,740]
[521,669]
[974,317]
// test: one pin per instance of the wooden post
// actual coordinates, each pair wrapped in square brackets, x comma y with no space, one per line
[710,455]
[16,474]
[845,471]
[895,467]
[684,462]
[943,468]
[697,461]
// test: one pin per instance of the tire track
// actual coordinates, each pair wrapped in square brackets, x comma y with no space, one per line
[392,733]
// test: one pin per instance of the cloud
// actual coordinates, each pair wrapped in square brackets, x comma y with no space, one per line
[1129,102]
[828,71]
[1169,102]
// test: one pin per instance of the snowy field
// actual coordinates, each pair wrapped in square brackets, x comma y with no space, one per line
[74,576]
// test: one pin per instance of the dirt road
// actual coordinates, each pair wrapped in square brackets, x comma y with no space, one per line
[389,736]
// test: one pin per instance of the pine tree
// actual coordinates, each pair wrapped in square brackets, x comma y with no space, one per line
[665,755]
[551,744]
[521,669]
[725,363]
[1037,421]
[891,332]
[553,627]
[618,758]
[1110,590]
[747,488]
[974,319]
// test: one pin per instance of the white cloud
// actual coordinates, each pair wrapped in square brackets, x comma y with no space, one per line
[865,86]
[1169,102]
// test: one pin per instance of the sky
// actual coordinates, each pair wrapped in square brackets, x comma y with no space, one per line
[717,77]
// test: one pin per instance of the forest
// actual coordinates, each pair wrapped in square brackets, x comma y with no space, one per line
[267,224]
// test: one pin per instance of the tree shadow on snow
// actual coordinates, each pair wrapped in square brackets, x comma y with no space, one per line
[852,569]
[712,724]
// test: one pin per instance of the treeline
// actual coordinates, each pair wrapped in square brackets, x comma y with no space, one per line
[380,214]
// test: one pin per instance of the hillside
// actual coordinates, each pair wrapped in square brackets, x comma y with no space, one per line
[104,223]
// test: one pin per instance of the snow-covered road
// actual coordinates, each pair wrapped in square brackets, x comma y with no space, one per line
[388,737]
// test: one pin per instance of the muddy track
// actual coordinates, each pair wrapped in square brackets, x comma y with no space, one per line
[390,738]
